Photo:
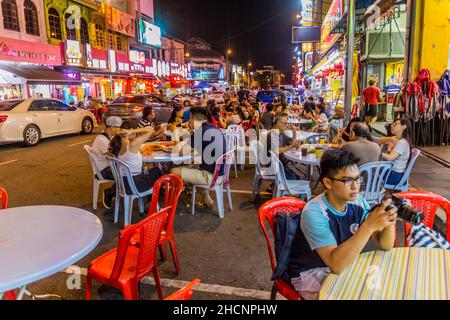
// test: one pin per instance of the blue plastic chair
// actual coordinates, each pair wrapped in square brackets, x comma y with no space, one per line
[403,185]
[316,138]
[288,187]
[375,175]
[121,170]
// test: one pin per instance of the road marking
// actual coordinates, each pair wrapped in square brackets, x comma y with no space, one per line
[75,144]
[2,163]
[203,287]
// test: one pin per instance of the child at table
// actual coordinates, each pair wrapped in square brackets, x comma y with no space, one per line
[336,226]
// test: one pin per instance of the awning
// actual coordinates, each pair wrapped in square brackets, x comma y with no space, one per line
[34,74]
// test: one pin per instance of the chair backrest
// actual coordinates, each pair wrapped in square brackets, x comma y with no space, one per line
[375,175]
[149,230]
[280,177]
[256,146]
[184,293]
[428,203]
[235,137]
[316,138]
[293,116]
[92,156]
[268,211]
[120,170]
[3,198]
[227,160]
[415,153]
[173,186]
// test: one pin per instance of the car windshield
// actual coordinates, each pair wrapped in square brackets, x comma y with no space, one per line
[8,105]
[130,99]
[267,94]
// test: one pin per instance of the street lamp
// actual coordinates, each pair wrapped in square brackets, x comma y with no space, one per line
[249,66]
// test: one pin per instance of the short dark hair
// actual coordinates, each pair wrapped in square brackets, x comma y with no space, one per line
[310,98]
[199,113]
[270,107]
[371,82]
[361,130]
[278,117]
[147,111]
[334,160]
[321,107]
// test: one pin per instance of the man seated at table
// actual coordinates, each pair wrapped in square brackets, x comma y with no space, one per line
[363,149]
[99,148]
[336,226]
[279,142]
[209,143]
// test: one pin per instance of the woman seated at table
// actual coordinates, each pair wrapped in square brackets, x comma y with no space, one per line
[126,147]
[232,116]
[398,150]
[319,118]
[176,118]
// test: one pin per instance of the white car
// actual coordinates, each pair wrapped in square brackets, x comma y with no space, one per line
[181,98]
[30,120]
[217,96]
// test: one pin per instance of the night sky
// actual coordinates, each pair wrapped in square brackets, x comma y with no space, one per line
[260,30]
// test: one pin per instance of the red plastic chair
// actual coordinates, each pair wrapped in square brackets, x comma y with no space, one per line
[123,267]
[173,186]
[184,293]
[3,198]
[268,212]
[428,203]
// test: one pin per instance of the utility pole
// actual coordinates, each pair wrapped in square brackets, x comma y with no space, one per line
[409,39]
[350,8]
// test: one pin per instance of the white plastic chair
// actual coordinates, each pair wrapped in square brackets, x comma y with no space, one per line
[261,173]
[375,175]
[96,177]
[235,139]
[403,185]
[288,187]
[219,185]
[121,170]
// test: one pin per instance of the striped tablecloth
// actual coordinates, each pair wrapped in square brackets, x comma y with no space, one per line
[400,274]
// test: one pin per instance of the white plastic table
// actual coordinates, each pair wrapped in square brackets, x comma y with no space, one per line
[39,241]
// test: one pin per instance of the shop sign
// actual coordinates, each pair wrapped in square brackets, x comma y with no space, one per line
[25,51]
[137,56]
[138,68]
[378,11]
[159,70]
[72,75]
[334,15]
[124,66]
[73,53]
[119,21]
[112,60]
[88,55]
[149,34]
[307,12]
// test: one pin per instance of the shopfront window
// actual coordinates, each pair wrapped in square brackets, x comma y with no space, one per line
[84,33]
[10,15]
[70,28]
[54,23]
[31,18]
[99,36]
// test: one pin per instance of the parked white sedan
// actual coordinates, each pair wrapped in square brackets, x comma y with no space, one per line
[30,120]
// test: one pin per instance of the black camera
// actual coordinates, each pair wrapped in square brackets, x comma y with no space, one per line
[405,211]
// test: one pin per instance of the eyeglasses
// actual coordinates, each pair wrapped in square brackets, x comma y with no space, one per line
[348,182]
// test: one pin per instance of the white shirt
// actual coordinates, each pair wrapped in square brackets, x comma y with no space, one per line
[402,148]
[99,148]
[133,161]
[323,122]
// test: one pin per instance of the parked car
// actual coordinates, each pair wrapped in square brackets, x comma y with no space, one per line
[217,96]
[267,96]
[30,120]
[130,107]
[181,98]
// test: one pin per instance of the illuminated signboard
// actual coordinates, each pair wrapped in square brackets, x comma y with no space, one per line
[149,34]
[137,56]
[112,60]
[334,15]
[73,53]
